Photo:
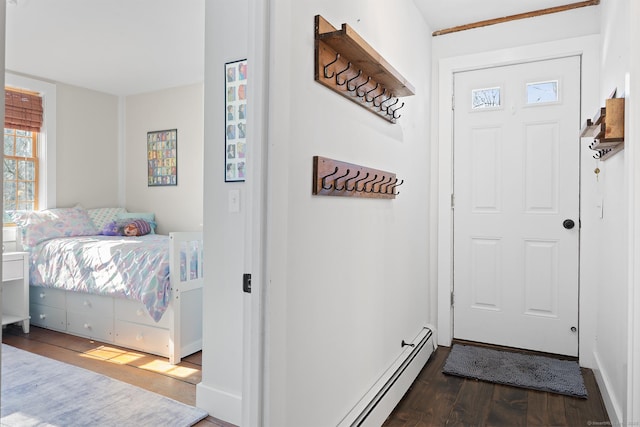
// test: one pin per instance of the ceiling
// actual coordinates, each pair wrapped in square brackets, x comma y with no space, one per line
[125,47]
[120,47]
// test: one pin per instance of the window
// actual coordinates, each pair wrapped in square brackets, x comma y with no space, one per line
[485,98]
[20,171]
[22,124]
[542,92]
[45,148]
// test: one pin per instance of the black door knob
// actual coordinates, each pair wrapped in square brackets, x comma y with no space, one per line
[568,224]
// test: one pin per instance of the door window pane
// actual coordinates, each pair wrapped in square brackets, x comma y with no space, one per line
[485,98]
[542,92]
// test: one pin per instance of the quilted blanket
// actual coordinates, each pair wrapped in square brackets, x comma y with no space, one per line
[135,268]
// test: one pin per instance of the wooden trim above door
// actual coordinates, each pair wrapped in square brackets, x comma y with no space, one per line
[509,18]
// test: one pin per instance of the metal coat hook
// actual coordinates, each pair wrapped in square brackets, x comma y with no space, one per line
[373,185]
[340,72]
[355,184]
[380,105]
[352,79]
[324,178]
[393,190]
[385,185]
[364,186]
[335,181]
[393,114]
[390,187]
[326,67]
[366,98]
[346,182]
[384,90]
[391,105]
[361,85]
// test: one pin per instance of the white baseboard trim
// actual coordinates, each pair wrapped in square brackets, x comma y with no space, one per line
[219,404]
[614,410]
[376,405]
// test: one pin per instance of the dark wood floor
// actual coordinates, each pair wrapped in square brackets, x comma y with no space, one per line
[434,399]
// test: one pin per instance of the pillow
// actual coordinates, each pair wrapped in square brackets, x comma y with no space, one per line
[37,226]
[110,229]
[102,216]
[150,217]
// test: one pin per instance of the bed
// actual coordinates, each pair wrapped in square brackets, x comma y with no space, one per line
[142,292]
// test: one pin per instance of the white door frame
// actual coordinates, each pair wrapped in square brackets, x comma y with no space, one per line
[586,46]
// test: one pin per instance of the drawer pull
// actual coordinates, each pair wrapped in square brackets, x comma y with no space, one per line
[140,312]
[42,295]
[87,326]
[139,337]
[86,303]
[43,316]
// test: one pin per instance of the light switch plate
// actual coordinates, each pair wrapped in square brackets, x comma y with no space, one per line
[234,201]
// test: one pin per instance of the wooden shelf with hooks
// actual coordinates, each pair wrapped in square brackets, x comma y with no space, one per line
[606,129]
[347,64]
[336,178]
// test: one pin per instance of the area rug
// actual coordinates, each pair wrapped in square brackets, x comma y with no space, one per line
[516,369]
[37,391]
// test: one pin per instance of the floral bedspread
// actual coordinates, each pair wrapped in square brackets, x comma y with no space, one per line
[135,268]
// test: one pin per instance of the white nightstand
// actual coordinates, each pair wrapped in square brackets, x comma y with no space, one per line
[15,289]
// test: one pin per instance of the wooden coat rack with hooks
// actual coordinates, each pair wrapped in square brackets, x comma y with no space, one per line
[348,65]
[336,178]
[606,129]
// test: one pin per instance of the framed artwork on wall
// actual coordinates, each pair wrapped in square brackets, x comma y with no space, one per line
[235,147]
[162,158]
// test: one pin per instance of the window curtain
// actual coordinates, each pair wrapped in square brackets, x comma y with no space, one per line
[23,110]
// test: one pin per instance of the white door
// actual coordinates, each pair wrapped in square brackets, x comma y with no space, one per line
[516,205]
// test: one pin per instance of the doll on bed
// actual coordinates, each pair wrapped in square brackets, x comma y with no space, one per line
[129,227]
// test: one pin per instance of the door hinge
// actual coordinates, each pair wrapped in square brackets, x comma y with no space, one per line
[453,201]
[452,299]
[453,102]
[246,283]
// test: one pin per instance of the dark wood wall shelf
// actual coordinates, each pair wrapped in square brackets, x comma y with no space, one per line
[348,65]
[606,129]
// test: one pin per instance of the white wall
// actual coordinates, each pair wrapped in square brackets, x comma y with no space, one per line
[177,208]
[348,278]
[611,349]
[86,147]
[633,123]
[220,392]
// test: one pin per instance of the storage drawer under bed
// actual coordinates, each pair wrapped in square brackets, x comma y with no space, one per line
[47,296]
[48,317]
[90,325]
[142,337]
[94,305]
[136,312]
[90,315]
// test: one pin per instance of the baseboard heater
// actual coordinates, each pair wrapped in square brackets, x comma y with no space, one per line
[376,405]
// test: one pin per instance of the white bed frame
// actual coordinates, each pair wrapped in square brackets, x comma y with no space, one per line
[127,323]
